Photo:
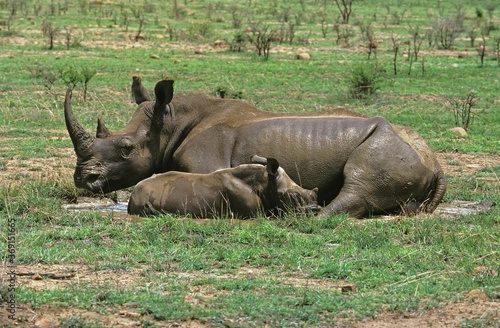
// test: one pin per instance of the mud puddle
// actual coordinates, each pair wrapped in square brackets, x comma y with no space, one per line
[457,208]
[118,208]
[453,210]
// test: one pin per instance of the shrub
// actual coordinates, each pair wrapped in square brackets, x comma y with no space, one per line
[364,80]
[462,109]
[447,30]
[262,38]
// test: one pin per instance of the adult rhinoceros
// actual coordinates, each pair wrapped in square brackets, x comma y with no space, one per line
[361,165]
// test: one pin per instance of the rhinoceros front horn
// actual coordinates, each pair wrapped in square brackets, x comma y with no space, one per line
[81,139]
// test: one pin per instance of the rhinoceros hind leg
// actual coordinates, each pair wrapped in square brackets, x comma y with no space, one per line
[345,203]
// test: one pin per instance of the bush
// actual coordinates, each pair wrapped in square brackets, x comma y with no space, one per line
[447,30]
[463,109]
[364,80]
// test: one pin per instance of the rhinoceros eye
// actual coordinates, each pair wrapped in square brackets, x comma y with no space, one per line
[126,147]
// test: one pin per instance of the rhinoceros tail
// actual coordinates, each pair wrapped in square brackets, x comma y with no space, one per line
[439,189]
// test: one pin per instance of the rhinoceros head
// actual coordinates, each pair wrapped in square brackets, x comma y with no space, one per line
[118,159]
[291,196]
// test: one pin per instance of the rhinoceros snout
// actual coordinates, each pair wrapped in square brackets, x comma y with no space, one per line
[90,181]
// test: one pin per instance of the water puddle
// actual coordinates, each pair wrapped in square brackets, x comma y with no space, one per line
[117,208]
[452,210]
[457,208]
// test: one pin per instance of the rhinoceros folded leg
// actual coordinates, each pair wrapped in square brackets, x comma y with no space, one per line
[345,203]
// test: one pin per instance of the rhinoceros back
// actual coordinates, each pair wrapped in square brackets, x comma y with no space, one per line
[313,150]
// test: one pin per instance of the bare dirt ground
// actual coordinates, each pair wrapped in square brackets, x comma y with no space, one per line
[473,310]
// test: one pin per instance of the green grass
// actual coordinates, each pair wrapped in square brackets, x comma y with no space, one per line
[407,264]
[429,259]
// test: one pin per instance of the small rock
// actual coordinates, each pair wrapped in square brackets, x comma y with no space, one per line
[349,288]
[220,44]
[155,57]
[304,56]
[458,131]
[131,304]
[37,276]
[131,314]
[477,295]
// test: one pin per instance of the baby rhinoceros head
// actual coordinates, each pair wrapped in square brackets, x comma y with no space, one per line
[286,195]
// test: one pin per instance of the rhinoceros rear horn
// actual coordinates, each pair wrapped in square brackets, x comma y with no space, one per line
[81,139]
[139,93]
[102,131]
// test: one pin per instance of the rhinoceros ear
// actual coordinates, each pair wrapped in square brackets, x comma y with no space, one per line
[272,166]
[164,92]
[102,130]
[139,93]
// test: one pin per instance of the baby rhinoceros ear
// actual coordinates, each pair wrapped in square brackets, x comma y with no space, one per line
[272,166]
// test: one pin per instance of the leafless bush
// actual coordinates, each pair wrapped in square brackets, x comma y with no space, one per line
[324,26]
[286,33]
[481,50]
[345,8]
[50,31]
[68,33]
[368,36]
[417,38]
[343,33]
[447,30]
[171,30]
[138,35]
[234,14]
[472,34]
[262,38]
[14,6]
[395,49]
[397,16]
[462,109]
[285,14]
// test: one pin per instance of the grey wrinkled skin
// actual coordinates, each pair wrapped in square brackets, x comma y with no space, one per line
[242,192]
[361,165]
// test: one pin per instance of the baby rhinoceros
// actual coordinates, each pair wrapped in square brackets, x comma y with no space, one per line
[243,192]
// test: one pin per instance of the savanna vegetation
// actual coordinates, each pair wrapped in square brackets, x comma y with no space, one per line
[431,65]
